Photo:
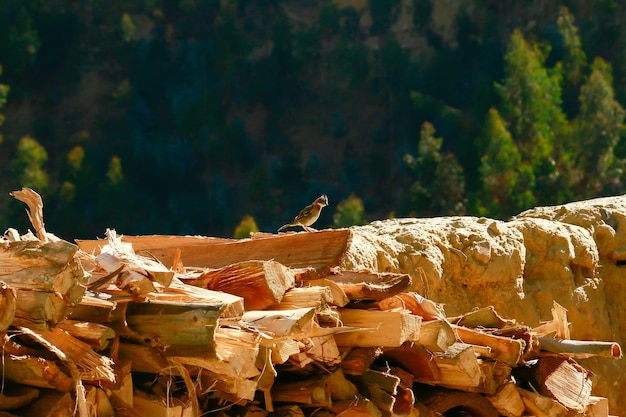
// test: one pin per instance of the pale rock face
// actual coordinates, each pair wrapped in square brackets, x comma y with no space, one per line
[574,254]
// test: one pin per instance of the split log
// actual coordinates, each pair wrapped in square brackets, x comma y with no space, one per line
[143,358]
[125,254]
[296,323]
[259,283]
[42,309]
[565,381]
[42,266]
[236,353]
[35,372]
[79,357]
[319,350]
[8,305]
[503,349]
[322,248]
[580,348]
[50,403]
[443,401]
[416,304]
[380,328]
[177,328]
[558,326]
[315,392]
[483,317]
[358,360]
[315,297]
[146,404]
[436,335]
[337,296]
[95,335]
[508,401]
[387,390]
[492,376]
[541,406]
[367,285]
[597,407]
[15,396]
[360,406]
[121,395]
[98,403]
[416,360]
[458,368]
[93,309]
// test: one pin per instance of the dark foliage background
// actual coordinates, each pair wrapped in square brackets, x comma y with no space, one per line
[184,116]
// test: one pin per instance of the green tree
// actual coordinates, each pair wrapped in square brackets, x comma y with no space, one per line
[128,27]
[598,129]
[440,186]
[4,93]
[531,97]
[574,59]
[349,212]
[506,189]
[531,105]
[112,197]
[28,165]
[246,227]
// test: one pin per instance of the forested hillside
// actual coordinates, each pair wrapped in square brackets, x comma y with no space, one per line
[183,116]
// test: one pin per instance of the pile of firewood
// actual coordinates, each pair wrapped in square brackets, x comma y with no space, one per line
[187,326]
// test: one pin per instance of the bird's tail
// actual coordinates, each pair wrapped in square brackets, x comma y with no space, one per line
[284,227]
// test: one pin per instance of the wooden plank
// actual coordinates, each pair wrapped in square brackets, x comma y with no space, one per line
[324,247]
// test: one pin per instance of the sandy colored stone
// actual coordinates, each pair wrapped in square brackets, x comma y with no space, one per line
[574,254]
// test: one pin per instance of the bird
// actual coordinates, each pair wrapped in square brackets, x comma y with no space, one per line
[309,214]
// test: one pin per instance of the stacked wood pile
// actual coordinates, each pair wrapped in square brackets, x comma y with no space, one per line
[188,326]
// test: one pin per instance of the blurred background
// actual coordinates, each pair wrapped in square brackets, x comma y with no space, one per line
[217,117]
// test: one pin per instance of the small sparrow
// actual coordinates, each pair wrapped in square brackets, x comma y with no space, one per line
[308,215]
